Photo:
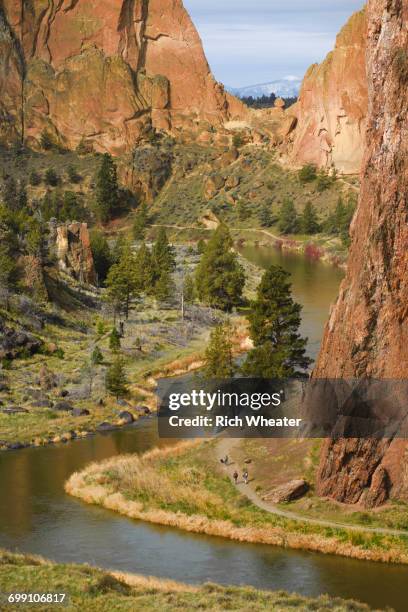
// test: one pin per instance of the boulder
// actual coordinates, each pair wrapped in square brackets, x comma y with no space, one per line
[14,410]
[288,492]
[63,406]
[80,412]
[42,404]
[126,418]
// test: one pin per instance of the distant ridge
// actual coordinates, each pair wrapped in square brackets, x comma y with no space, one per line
[288,87]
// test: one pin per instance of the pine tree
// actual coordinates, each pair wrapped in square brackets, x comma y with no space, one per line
[309,222]
[288,219]
[96,356]
[101,255]
[144,270]
[140,222]
[219,278]
[189,290]
[10,194]
[163,254]
[219,362]
[164,287]
[121,281]
[8,271]
[107,191]
[279,350]
[114,340]
[51,177]
[265,216]
[116,381]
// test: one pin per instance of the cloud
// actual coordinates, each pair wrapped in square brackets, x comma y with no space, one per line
[257,41]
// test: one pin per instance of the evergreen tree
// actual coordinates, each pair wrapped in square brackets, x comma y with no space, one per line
[265,216]
[140,222]
[51,177]
[114,340]
[71,209]
[219,278]
[288,219]
[118,247]
[308,173]
[164,287]
[189,290]
[121,281]
[201,244]
[219,362]
[144,270]
[310,223]
[116,381]
[10,194]
[163,254]
[275,318]
[107,190]
[101,255]
[35,178]
[8,272]
[244,211]
[96,356]
[46,141]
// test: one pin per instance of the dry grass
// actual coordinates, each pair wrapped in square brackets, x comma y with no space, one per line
[178,487]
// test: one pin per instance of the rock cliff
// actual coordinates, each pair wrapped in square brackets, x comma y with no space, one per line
[74,252]
[367,335]
[332,105]
[104,71]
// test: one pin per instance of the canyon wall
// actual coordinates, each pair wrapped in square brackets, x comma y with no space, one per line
[332,105]
[104,71]
[367,335]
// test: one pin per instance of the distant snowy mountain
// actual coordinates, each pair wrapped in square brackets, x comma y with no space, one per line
[286,88]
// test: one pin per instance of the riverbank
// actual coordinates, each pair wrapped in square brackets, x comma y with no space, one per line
[93,589]
[59,394]
[185,487]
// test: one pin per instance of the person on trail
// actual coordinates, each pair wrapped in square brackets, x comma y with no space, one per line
[245,476]
[235,476]
[226,460]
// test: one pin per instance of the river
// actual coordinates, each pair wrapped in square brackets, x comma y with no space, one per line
[37,516]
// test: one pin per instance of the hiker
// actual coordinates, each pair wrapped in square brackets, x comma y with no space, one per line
[245,476]
[226,460]
[235,476]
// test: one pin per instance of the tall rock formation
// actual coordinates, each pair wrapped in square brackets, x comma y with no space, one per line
[367,335]
[104,71]
[332,105]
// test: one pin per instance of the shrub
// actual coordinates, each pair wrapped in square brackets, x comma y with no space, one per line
[51,177]
[308,173]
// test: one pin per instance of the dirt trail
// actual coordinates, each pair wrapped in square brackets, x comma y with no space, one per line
[226,446]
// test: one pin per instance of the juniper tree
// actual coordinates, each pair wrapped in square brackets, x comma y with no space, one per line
[140,222]
[121,281]
[107,190]
[279,350]
[288,219]
[116,381]
[101,255]
[219,278]
[114,340]
[309,221]
[219,362]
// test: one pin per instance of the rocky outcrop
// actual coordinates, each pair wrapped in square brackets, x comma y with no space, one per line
[367,334]
[17,343]
[74,252]
[331,112]
[104,71]
[288,492]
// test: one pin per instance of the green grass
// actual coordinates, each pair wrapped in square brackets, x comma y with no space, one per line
[190,482]
[95,590]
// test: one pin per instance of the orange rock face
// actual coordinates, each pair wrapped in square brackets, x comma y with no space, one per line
[332,106]
[74,252]
[105,70]
[367,335]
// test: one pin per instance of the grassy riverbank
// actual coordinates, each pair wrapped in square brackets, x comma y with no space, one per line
[92,589]
[184,487]
[58,394]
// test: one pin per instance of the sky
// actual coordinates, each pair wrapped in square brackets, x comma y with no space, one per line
[256,41]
